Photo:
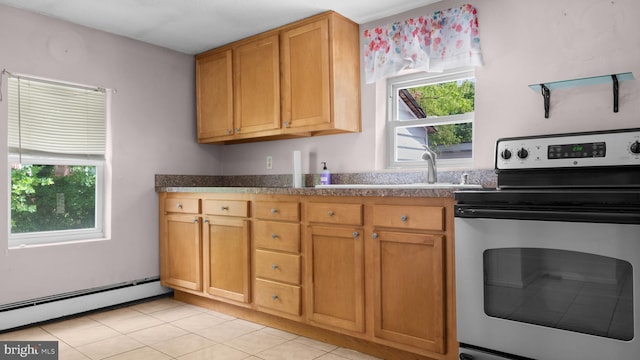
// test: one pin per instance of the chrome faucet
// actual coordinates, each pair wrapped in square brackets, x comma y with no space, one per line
[430,156]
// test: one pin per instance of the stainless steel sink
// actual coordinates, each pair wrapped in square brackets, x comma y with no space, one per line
[445,186]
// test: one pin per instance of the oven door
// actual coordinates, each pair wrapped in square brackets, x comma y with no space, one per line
[547,289]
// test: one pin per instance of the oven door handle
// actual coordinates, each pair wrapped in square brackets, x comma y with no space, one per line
[614,217]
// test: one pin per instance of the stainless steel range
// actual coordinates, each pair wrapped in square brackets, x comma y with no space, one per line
[547,264]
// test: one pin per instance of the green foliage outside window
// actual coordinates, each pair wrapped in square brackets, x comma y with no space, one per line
[52,197]
[445,99]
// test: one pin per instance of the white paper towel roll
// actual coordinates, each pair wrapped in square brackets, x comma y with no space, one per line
[297,169]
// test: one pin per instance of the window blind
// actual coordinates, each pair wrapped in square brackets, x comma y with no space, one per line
[54,119]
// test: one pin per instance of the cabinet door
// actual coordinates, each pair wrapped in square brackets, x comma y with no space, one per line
[409,289]
[214,91]
[335,271]
[181,245]
[256,69]
[305,75]
[226,258]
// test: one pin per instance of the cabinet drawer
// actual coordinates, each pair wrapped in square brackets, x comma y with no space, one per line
[276,296]
[329,213]
[275,210]
[238,208]
[182,205]
[277,236]
[409,217]
[278,266]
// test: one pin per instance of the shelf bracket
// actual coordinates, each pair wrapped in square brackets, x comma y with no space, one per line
[616,89]
[546,95]
[545,88]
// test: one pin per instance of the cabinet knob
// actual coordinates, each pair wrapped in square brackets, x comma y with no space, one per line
[274,297]
[274,236]
[330,213]
[179,206]
[274,266]
[206,221]
[356,234]
[287,124]
[404,218]
[237,130]
[274,211]
[374,236]
[229,131]
[195,220]
[224,208]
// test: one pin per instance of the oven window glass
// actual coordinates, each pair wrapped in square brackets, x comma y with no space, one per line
[561,289]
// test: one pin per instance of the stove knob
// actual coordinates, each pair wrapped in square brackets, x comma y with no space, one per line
[635,147]
[505,154]
[523,153]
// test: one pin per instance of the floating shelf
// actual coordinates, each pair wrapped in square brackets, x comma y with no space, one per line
[545,88]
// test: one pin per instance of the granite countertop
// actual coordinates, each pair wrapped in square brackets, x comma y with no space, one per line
[311,191]
[282,184]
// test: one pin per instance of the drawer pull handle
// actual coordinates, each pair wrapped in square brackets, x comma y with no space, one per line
[274,236]
[356,234]
[274,266]
[179,206]
[224,208]
[404,218]
[330,213]
[274,297]
[274,211]
[374,236]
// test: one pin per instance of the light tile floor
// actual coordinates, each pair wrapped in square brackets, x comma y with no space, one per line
[168,329]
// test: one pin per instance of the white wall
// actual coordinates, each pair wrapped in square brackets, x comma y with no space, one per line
[153,117]
[523,42]
[153,131]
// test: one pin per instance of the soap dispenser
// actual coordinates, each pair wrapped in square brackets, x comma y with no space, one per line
[325,175]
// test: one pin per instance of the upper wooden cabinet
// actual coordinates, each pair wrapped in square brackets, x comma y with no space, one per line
[214,94]
[256,93]
[302,79]
[305,75]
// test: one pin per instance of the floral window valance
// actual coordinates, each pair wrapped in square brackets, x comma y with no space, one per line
[443,40]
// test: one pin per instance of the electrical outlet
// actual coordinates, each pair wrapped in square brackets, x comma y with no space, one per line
[269,162]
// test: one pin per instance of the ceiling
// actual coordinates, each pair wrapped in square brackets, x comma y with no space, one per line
[193,26]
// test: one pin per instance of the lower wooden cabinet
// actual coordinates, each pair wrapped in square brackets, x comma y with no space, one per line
[226,258]
[409,290]
[376,270]
[181,252]
[335,268]
[277,296]
[277,266]
[277,261]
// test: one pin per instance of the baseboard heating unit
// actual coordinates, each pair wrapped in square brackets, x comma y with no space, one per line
[34,311]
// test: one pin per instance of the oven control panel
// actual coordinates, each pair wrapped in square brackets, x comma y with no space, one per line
[588,149]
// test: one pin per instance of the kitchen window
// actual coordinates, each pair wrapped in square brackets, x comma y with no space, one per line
[57,147]
[430,109]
